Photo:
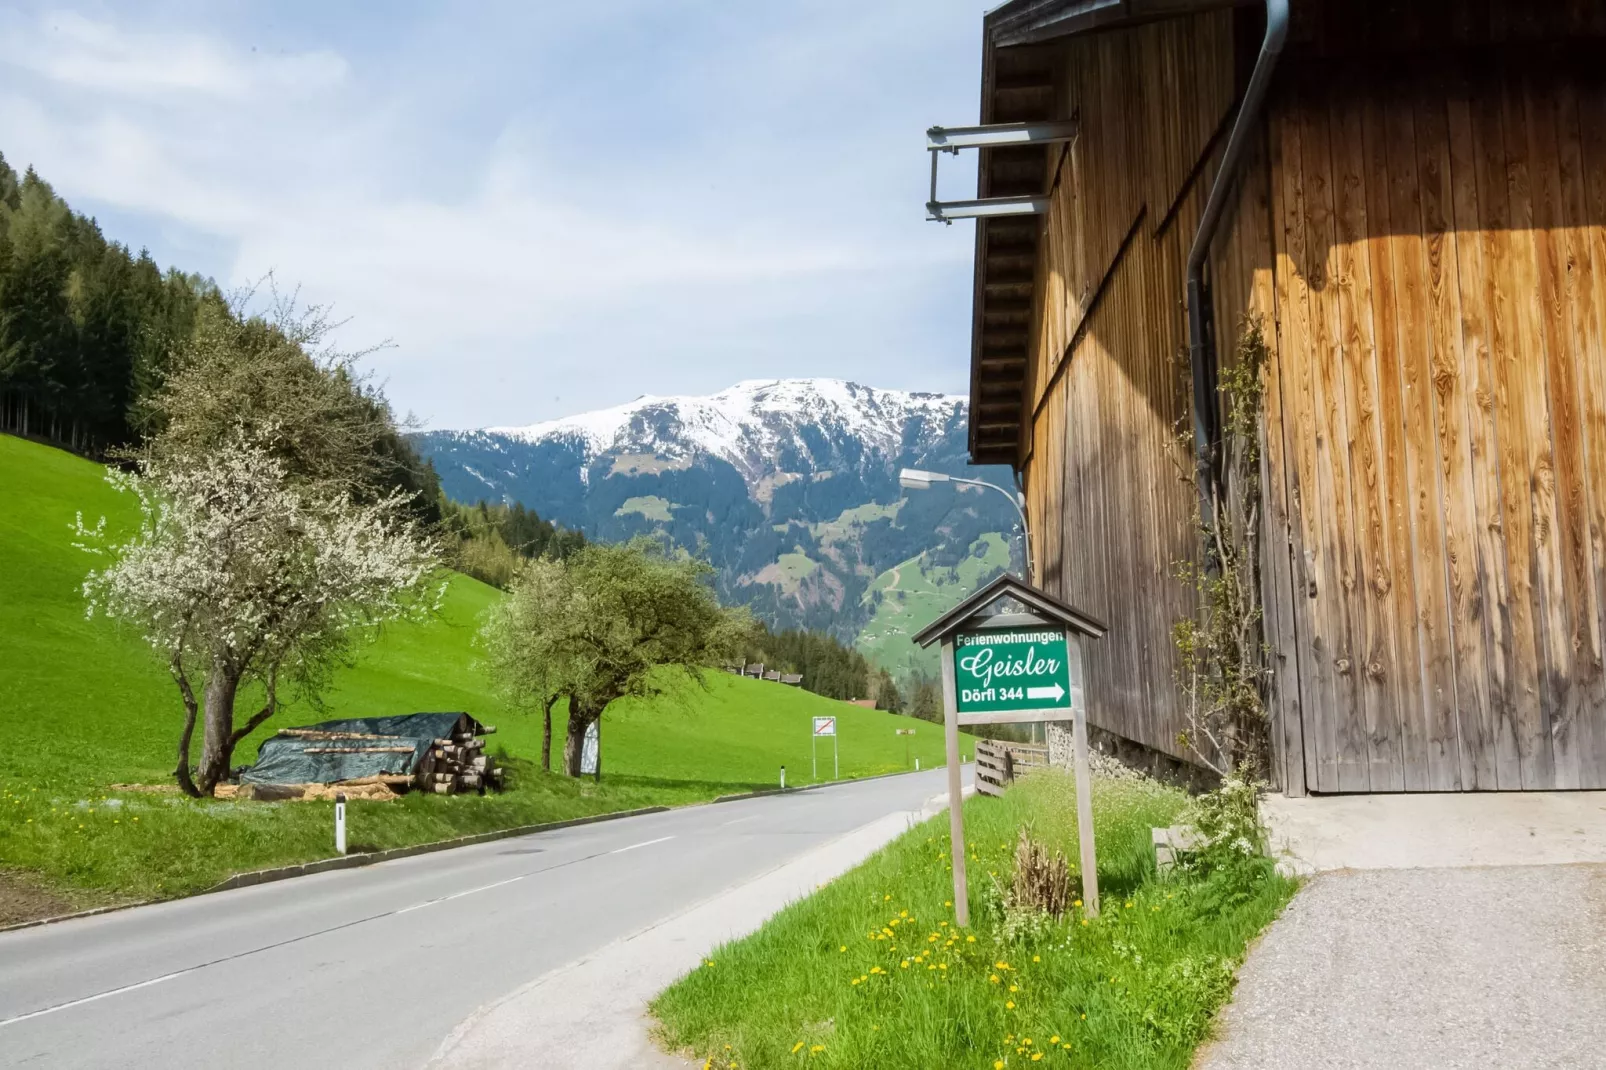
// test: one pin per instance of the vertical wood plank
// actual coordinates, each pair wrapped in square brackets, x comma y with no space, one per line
[1317,688]
[1398,553]
[1566,567]
[1376,661]
[1525,444]
[1448,386]
[1483,339]
[1587,358]
[1334,443]
[1592,135]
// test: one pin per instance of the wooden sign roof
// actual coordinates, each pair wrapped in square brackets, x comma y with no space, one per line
[1040,603]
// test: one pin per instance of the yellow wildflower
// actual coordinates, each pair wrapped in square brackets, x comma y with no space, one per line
[797,1047]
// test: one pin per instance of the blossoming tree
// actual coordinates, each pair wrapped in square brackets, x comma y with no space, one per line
[242,578]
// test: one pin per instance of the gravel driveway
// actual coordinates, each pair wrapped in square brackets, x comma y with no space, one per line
[1444,968]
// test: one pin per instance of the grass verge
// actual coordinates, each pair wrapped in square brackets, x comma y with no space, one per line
[869,971]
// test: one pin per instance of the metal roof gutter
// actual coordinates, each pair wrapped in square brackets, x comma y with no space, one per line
[1201,357]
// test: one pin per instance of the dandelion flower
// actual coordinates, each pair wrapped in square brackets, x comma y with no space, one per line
[844,947]
[1053,1040]
[1037,1056]
[1009,1005]
[998,1064]
[817,1048]
[797,1047]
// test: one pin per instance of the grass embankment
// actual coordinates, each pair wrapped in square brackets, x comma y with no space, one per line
[870,971]
[84,705]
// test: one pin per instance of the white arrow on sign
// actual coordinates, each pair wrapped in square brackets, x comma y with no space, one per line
[1056,692]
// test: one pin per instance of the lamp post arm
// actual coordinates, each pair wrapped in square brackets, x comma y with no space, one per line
[1014,499]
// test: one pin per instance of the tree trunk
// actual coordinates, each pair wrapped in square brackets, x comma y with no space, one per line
[182,773]
[546,735]
[596,775]
[217,747]
[580,718]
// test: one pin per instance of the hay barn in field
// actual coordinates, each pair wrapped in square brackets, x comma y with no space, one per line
[1410,197]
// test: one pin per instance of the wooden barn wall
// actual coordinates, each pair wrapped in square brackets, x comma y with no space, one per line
[1437,414]
[1103,467]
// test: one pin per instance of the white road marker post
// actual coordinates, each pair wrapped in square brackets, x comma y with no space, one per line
[340,824]
[783,778]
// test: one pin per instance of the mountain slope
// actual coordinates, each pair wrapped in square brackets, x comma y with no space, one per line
[789,487]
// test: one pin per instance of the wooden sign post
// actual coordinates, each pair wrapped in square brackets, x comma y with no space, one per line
[1014,668]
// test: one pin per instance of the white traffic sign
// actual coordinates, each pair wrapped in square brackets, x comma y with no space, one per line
[823,727]
[1053,694]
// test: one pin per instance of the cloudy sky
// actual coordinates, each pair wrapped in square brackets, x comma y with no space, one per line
[546,207]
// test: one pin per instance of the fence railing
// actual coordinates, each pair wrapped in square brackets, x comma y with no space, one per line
[998,763]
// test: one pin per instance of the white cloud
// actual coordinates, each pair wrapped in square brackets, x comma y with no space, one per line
[664,221]
[72,50]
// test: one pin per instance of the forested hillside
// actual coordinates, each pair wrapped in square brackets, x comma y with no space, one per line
[86,326]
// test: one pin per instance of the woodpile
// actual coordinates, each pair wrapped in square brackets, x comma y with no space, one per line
[459,764]
[439,753]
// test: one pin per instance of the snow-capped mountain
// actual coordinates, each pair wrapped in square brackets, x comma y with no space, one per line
[788,486]
[758,425]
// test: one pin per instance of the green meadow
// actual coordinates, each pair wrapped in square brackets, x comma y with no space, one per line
[871,971]
[84,706]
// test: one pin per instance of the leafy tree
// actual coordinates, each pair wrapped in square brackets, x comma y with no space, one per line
[624,622]
[520,643]
[925,700]
[241,575]
[887,696]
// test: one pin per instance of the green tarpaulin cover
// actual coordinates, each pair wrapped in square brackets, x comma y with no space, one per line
[290,760]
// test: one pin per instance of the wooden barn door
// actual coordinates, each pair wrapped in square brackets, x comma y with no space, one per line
[1440,245]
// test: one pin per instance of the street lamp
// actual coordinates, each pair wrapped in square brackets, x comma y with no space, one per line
[916,479]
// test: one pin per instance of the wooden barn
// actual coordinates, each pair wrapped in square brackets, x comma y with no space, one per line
[1410,195]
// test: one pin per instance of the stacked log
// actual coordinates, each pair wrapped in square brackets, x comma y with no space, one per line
[459,764]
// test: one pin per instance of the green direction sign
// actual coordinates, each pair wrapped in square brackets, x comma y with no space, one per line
[1009,670]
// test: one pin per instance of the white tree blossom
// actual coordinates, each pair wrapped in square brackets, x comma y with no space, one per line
[239,575]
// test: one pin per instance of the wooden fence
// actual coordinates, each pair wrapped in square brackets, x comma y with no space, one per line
[998,763]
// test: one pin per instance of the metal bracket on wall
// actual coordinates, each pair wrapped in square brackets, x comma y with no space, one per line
[940,139]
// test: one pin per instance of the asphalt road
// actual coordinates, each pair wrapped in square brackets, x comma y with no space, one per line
[373,967]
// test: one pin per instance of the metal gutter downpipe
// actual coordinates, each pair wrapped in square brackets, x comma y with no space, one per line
[1200,358]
